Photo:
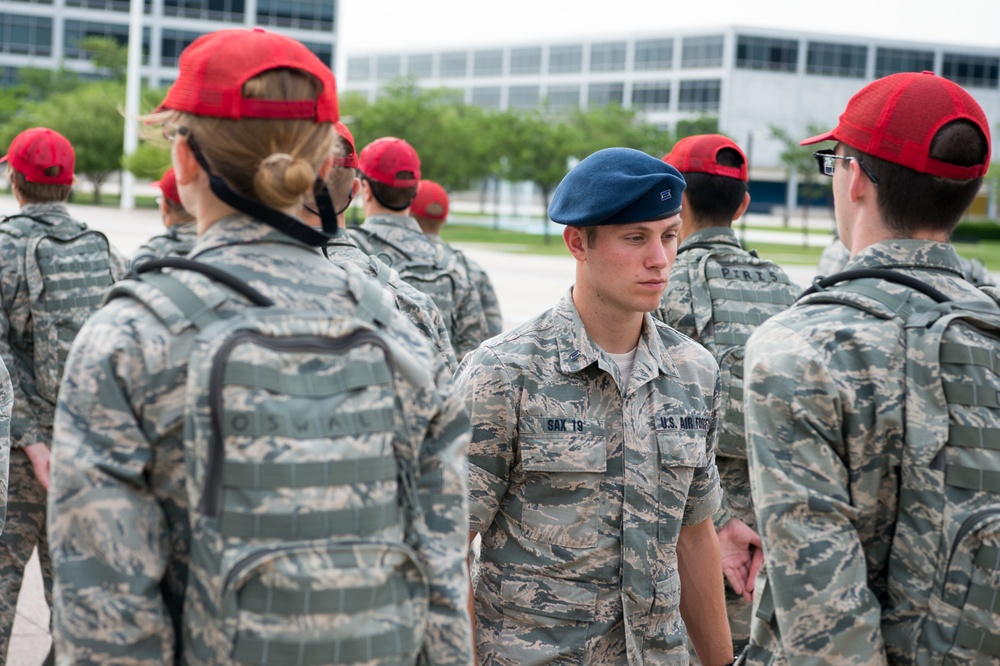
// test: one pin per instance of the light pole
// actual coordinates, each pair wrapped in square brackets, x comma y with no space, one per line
[133,87]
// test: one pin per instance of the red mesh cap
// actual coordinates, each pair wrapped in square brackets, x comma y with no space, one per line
[698,154]
[40,148]
[391,161]
[431,201]
[168,185]
[895,118]
[215,66]
[350,160]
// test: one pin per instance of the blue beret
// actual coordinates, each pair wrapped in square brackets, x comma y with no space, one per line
[617,186]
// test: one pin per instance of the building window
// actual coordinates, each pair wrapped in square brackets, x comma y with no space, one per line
[651,95]
[9,76]
[566,59]
[31,35]
[602,94]
[654,54]
[563,97]
[306,14]
[359,69]
[526,60]
[700,95]
[323,51]
[420,65]
[487,63]
[702,51]
[971,70]
[523,97]
[454,64]
[894,61]
[488,98]
[213,10]
[103,5]
[609,57]
[173,42]
[831,59]
[75,32]
[388,67]
[766,53]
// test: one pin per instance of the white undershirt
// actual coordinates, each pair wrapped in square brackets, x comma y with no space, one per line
[624,362]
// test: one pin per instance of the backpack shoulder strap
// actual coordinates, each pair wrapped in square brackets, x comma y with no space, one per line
[889,305]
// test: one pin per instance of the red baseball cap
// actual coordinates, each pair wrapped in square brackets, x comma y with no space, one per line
[214,68]
[698,154]
[40,148]
[895,118]
[349,161]
[168,185]
[384,159]
[431,201]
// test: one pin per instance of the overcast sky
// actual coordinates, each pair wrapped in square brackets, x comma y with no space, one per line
[381,25]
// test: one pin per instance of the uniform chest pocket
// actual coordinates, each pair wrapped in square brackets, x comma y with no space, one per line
[682,454]
[561,499]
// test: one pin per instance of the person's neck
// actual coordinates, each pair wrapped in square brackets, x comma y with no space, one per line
[867,232]
[612,330]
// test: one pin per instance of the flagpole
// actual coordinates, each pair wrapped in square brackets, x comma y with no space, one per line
[133,87]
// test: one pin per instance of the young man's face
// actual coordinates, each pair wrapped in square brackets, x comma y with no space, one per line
[628,266]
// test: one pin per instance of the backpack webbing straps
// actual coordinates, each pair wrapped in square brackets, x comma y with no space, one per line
[212,272]
[820,284]
[252,649]
[197,310]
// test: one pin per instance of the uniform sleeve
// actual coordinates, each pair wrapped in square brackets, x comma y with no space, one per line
[705,493]
[487,296]
[6,403]
[444,533]
[108,534]
[677,307]
[470,320]
[119,264]
[25,428]
[816,568]
[489,399]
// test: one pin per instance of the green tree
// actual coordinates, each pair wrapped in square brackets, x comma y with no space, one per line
[612,126]
[108,55]
[799,160]
[40,84]
[701,125]
[90,117]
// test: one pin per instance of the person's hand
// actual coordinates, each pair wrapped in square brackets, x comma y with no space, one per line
[742,556]
[40,459]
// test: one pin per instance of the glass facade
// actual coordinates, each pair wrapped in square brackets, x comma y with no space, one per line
[173,42]
[487,63]
[29,35]
[700,95]
[602,94]
[651,95]
[565,59]
[831,59]
[523,97]
[305,14]
[359,69]
[526,60]
[420,65]
[766,53]
[563,97]
[973,71]
[702,51]
[454,64]
[486,97]
[388,67]
[212,10]
[654,54]
[608,57]
[893,61]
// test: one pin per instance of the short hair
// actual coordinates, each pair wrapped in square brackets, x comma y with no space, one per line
[909,201]
[714,199]
[177,210]
[340,181]
[591,233]
[394,198]
[40,192]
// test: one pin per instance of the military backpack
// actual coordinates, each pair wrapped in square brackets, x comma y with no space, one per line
[943,603]
[732,294]
[435,277]
[300,477]
[68,271]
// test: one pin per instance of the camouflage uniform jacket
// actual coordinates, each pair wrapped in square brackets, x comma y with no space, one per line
[836,255]
[31,422]
[118,520]
[6,404]
[414,304]
[825,399]
[467,325]
[677,309]
[580,492]
[176,241]
[487,294]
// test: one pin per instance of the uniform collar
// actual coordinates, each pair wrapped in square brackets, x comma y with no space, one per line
[577,351]
[714,235]
[240,229]
[908,253]
[394,220]
[46,211]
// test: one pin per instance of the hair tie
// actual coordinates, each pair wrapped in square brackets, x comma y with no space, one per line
[274,158]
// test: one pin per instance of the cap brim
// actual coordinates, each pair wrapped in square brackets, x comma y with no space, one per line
[4,158]
[825,136]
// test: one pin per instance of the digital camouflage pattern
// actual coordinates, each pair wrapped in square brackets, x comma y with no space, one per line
[826,410]
[35,369]
[175,241]
[414,304]
[718,293]
[6,405]
[580,493]
[119,504]
[400,243]
[836,255]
